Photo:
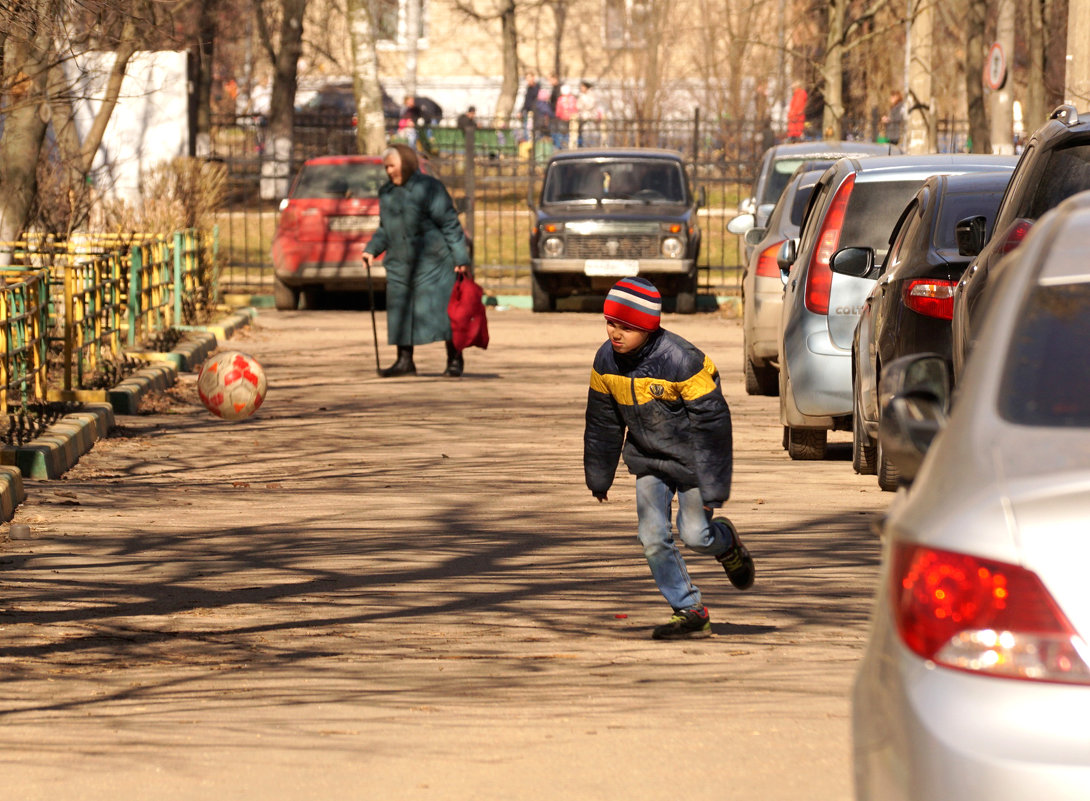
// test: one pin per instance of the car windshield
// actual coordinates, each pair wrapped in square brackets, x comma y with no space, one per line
[1068,172]
[339,181]
[638,181]
[1046,381]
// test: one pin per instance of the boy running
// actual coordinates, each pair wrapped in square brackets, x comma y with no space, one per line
[665,394]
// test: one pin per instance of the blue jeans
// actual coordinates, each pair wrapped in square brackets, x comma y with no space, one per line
[694,526]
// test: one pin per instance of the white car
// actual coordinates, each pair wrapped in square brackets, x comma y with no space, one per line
[975,682]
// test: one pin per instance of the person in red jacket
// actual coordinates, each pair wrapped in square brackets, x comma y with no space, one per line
[796,114]
[656,400]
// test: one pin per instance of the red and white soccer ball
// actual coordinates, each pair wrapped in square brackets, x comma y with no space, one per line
[231,385]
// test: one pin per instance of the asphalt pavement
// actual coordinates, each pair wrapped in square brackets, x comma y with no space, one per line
[401,588]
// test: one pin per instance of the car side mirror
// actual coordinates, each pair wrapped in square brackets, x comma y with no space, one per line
[970,236]
[740,224]
[856,262]
[754,236]
[915,396]
[786,256]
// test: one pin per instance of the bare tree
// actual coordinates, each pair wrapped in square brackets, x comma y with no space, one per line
[283,51]
[976,46]
[504,12]
[371,130]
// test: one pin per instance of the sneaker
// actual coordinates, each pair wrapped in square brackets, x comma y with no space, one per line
[736,560]
[687,623]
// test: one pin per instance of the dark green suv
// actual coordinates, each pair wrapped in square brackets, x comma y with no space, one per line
[605,214]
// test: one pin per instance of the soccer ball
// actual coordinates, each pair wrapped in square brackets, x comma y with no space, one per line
[231,385]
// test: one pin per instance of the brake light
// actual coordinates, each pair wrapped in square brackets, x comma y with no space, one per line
[819,277]
[983,616]
[1015,234]
[933,297]
[766,262]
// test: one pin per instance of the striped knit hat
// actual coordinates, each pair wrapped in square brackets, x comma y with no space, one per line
[634,302]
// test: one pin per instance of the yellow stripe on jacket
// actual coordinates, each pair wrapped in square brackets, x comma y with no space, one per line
[651,389]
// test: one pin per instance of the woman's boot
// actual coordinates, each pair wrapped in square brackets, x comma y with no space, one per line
[404,364]
[455,363]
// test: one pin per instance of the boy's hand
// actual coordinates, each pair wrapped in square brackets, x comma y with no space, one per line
[602,497]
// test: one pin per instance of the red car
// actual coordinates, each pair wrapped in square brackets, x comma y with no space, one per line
[326,220]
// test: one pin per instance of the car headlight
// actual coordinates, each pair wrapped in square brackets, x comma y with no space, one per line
[553,246]
[672,248]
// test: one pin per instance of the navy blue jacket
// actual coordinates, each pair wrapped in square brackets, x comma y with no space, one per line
[668,399]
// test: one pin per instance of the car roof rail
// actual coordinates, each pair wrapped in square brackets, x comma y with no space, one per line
[1065,114]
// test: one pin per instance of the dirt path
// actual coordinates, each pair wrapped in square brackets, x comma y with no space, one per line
[401,589]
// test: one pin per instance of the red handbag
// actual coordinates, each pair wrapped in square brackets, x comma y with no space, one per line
[468,323]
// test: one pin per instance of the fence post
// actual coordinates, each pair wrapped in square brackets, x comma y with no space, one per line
[69,322]
[135,267]
[696,134]
[178,284]
[470,177]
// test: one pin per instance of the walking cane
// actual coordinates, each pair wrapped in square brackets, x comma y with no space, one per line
[371,303]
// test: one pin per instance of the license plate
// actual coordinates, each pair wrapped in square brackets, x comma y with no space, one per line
[611,267]
[354,224]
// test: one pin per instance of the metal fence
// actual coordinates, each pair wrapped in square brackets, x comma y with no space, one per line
[69,307]
[494,184]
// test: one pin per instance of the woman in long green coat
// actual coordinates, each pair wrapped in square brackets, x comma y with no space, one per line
[425,247]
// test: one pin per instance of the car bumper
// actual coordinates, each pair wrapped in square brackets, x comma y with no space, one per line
[921,732]
[334,266]
[613,268]
[763,320]
[820,379]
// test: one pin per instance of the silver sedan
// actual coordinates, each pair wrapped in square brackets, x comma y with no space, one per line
[975,682]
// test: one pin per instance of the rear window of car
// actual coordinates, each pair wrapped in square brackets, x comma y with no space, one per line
[1066,173]
[651,180]
[778,178]
[873,209]
[956,207]
[1046,380]
[339,181]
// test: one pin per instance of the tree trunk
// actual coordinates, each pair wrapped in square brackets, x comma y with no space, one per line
[276,168]
[976,45]
[26,71]
[371,129]
[510,86]
[202,79]
[832,72]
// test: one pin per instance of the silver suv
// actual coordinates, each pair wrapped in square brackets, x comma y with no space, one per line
[856,204]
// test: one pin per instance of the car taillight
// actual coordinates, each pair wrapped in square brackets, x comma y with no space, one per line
[983,616]
[933,297]
[766,262]
[819,277]
[1015,234]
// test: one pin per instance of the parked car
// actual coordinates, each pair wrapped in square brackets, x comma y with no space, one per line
[332,110]
[909,309]
[327,219]
[1054,165]
[975,680]
[855,204]
[606,213]
[762,285]
[779,163]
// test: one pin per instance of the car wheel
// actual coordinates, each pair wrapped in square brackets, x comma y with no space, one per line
[864,451]
[542,300]
[285,298]
[763,380]
[888,477]
[807,444]
[685,299]
[309,296]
